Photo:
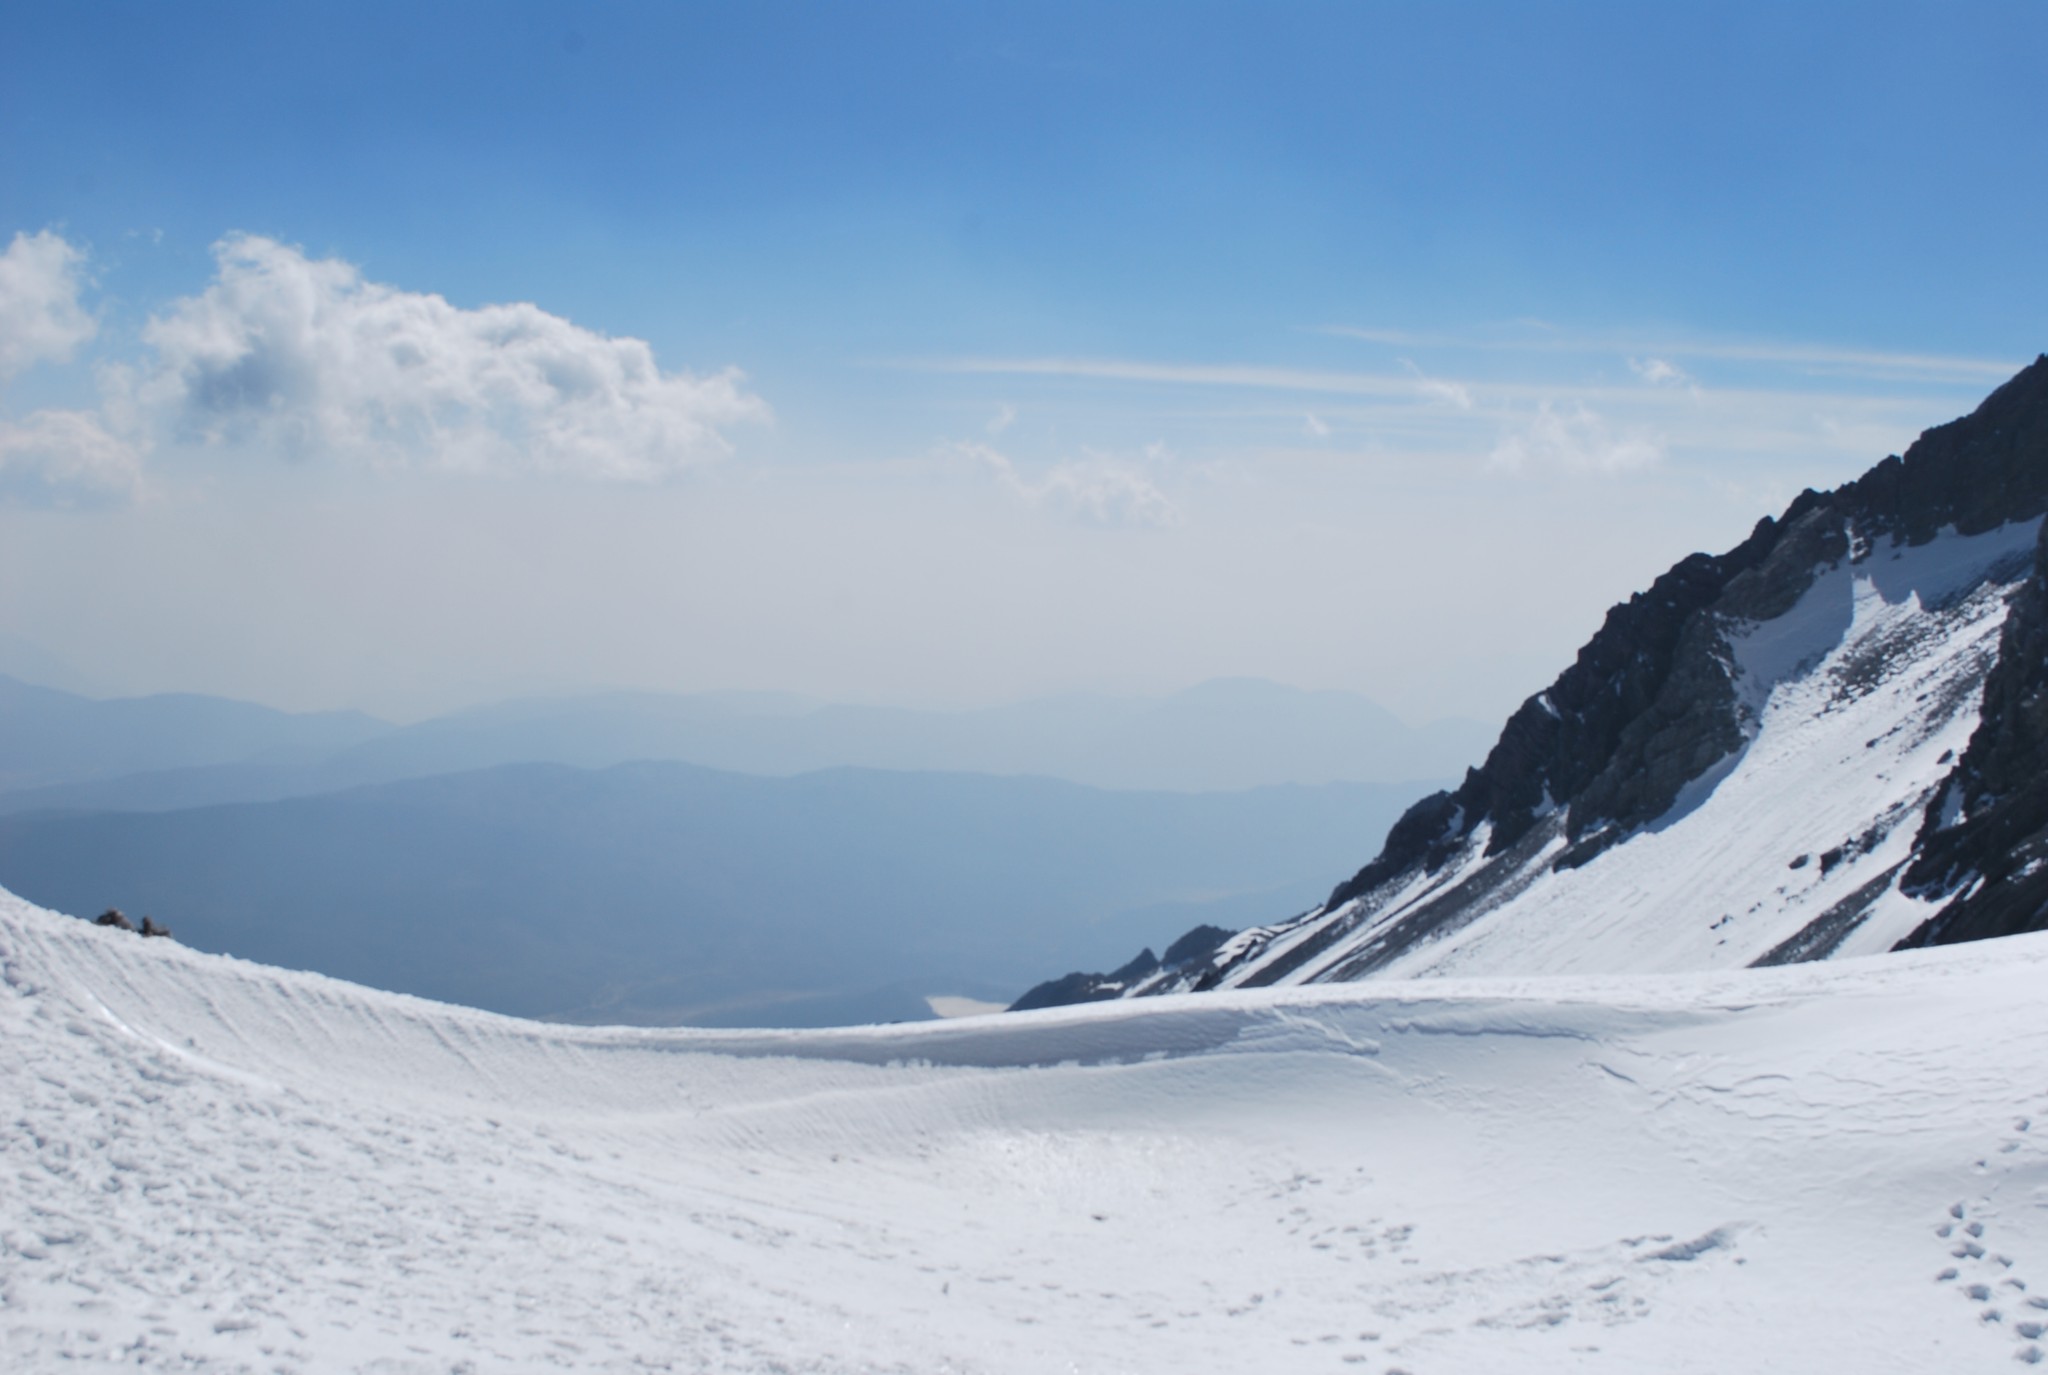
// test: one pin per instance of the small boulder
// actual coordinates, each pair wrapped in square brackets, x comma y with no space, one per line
[113,917]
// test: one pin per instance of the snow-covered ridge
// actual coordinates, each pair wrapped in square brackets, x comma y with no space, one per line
[212,1165]
[1853,706]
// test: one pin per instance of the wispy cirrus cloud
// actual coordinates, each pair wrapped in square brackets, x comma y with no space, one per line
[1175,374]
[1533,337]
[1406,383]
[1456,394]
[1533,416]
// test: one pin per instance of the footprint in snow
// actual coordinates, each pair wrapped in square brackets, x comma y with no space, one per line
[1982,1274]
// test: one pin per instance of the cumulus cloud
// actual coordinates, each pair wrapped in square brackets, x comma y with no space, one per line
[305,356]
[40,317]
[1096,488]
[1574,440]
[67,458]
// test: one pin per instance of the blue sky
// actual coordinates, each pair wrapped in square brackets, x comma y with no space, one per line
[995,349]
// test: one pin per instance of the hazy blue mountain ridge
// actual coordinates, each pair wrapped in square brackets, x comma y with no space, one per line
[1224,735]
[52,737]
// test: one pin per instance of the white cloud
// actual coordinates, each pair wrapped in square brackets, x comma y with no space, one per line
[1658,372]
[305,356]
[1534,336]
[1576,440]
[1174,374]
[1316,426]
[40,318]
[67,458]
[1096,488]
[1005,416]
[1455,394]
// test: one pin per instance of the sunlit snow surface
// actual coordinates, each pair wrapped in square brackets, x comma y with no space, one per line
[213,1165]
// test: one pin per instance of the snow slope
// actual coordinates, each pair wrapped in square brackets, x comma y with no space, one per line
[1854,705]
[212,1165]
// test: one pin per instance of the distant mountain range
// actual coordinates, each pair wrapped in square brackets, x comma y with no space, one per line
[157,753]
[52,739]
[1830,740]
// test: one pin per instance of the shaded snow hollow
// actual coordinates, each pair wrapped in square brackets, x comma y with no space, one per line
[207,1164]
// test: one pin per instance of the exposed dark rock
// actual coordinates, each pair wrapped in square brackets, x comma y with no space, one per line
[1822,936]
[1994,860]
[1088,988]
[117,919]
[1975,473]
[1197,944]
[1191,948]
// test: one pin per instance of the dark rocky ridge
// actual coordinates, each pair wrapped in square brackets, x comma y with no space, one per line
[1093,988]
[1650,704]
[1996,857]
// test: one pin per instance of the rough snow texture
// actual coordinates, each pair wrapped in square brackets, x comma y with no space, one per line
[213,1165]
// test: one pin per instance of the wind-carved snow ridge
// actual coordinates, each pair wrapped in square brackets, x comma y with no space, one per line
[209,1165]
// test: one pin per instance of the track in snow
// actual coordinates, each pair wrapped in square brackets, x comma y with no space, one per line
[207,1164]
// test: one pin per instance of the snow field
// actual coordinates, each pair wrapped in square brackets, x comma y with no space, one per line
[212,1165]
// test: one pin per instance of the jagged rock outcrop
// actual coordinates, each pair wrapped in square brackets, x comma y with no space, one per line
[1077,987]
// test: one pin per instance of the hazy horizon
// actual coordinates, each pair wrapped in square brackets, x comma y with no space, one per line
[28,663]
